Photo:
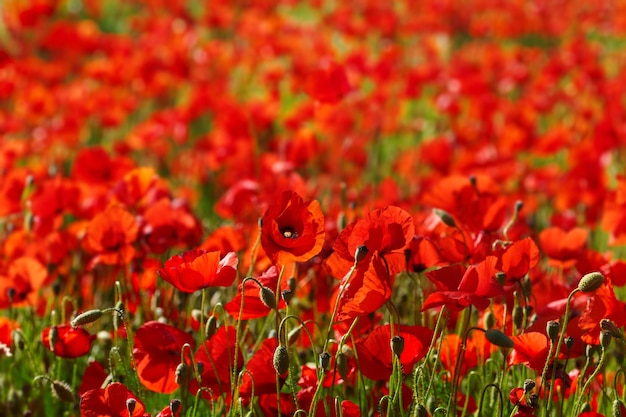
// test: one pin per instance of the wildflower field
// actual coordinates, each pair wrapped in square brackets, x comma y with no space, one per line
[312,208]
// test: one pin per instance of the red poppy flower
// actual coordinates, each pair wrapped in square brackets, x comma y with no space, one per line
[458,287]
[261,375]
[170,224]
[217,356]
[563,247]
[375,355]
[603,304]
[531,349]
[517,259]
[26,276]
[423,254]
[328,83]
[157,354]
[71,342]
[292,230]
[384,233]
[477,350]
[110,402]
[110,236]
[197,269]
[93,378]
[253,307]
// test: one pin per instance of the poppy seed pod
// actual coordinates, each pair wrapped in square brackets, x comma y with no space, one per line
[552,329]
[591,282]
[268,297]
[496,337]
[62,391]
[281,360]
[86,318]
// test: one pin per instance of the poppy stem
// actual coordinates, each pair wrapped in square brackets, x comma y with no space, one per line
[438,328]
[588,382]
[500,403]
[459,357]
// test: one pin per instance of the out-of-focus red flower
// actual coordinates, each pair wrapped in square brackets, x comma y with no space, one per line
[458,287]
[423,254]
[384,233]
[110,402]
[93,378]
[517,259]
[25,277]
[477,350]
[603,304]
[110,236]
[375,355]
[157,354]
[292,229]
[328,83]
[169,224]
[6,331]
[71,342]
[253,307]
[614,213]
[217,357]
[563,247]
[531,349]
[197,269]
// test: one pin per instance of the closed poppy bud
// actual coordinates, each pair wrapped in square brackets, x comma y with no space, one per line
[287,295]
[608,326]
[53,337]
[342,365]
[496,337]
[552,329]
[591,282]
[360,253]
[324,360]
[529,385]
[174,406]
[210,327]
[445,217]
[490,320]
[182,374]
[86,318]
[62,391]
[397,345]
[281,360]
[569,342]
[518,317]
[268,297]
[605,339]
[131,403]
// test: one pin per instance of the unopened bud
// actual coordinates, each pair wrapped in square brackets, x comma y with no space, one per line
[518,317]
[118,315]
[281,360]
[529,385]
[605,339]
[287,295]
[569,342]
[131,403]
[397,345]
[174,406]
[210,327]
[181,375]
[324,360]
[53,337]
[496,337]
[445,217]
[196,314]
[608,326]
[360,253]
[342,365]
[490,320]
[86,318]
[268,297]
[62,391]
[591,282]
[552,329]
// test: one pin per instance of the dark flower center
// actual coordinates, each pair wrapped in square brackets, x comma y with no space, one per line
[289,232]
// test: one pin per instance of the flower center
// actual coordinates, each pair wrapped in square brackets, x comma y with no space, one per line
[289,232]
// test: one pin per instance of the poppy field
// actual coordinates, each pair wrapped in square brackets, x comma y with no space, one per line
[312,208]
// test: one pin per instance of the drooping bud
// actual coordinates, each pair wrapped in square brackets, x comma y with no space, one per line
[324,360]
[605,339]
[210,327]
[281,360]
[181,375]
[342,365]
[397,345]
[591,282]
[496,337]
[131,403]
[196,314]
[87,317]
[360,253]
[490,320]
[445,217]
[518,317]
[552,329]
[287,295]
[175,406]
[268,297]
[608,326]
[62,391]
[529,385]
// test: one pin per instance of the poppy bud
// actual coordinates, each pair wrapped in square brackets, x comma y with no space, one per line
[490,320]
[605,339]
[569,342]
[527,287]
[200,368]
[518,317]
[533,400]
[210,327]
[53,337]
[496,337]
[268,297]
[501,278]
[342,365]
[118,315]
[529,385]
[519,205]
[324,360]
[281,360]
[552,329]
[445,217]
[131,403]
[617,408]
[348,351]
[360,253]
[287,295]
[62,391]
[86,318]
[174,406]
[397,345]
[591,282]
[608,326]
[181,374]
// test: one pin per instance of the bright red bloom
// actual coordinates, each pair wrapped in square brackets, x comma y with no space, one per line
[458,287]
[384,233]
[71,342]
[217,357]
[524,408]
[423,254]
[563,247]
[261,372]
[518,258]
[375,355]
[292,230]
[169,224]
[530,349]
[603,304]
[328,83]
[157,354]
[26,276]
[93,378]
[109,402]
[197,269]
[110,236]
